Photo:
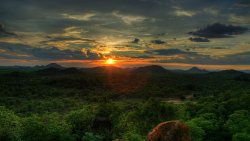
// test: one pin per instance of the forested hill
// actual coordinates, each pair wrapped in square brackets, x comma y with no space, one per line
[105,103]
[148,81]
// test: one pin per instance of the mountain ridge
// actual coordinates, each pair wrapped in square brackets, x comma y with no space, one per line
[143,69]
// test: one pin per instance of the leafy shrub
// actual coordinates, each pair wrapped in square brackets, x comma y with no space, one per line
[241,137]
[81,121]
[45,128]
[239,122]
[88,136]
[132,137]
[197,133]
[9,125]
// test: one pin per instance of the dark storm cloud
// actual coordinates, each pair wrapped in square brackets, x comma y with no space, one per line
[168,52]
[4,32]
[131,54]
[196,58]
[20,51]
[181,56]
[55,39]
[136,40]
[143,57]
[68,38]
[47,16]
[238,58]
[199,39]
[158,42]
[219,30]
[243,3]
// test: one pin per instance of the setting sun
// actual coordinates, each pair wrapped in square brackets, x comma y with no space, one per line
[110,61]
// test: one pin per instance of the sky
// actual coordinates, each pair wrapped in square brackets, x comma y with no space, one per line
[210,34]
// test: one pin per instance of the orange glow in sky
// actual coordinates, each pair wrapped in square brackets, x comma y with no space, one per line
[110,61]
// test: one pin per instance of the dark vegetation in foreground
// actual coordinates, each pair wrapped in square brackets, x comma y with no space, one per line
[107,103]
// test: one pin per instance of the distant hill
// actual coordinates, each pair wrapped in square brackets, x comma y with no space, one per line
[53,68]
[151,69]
[196,70]
[232,74]
[49,71]
[145,69]
[15,68]
[53,65]
[103,69]
[30,68]
[246,71]
[56,71]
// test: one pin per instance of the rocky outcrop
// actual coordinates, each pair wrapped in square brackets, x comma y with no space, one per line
[170,131]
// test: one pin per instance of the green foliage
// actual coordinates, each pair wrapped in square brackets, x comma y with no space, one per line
[204,126]
[197,133]
[9,125]
[239,122]
[81,120]
[207,122]
[45,128]
[152,112]
[124,124]
[106,108]
[241,137]
[219,109]
[132,137]
[88,136]
[239,125]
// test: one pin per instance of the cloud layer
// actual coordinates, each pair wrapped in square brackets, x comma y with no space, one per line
[152,31]
[219,30]
[20,51]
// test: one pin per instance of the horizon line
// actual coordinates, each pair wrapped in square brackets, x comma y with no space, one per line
[167,66]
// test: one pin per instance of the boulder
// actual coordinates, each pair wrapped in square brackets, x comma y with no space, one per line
[170,131]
